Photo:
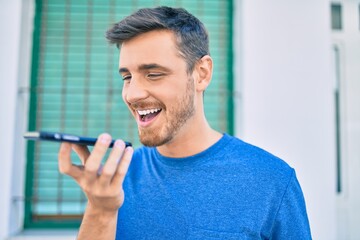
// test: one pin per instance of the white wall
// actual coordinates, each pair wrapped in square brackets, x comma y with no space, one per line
[285,86]
[15,44]
[348,42]
[9,26]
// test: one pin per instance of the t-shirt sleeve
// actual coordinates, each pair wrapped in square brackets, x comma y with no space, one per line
[291,221]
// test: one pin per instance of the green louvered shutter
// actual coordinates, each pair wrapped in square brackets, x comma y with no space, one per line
[76,88]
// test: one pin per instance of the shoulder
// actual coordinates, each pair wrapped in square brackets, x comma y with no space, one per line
[140,162]
[255,167]
[252,155]
[142,151]
[142,154]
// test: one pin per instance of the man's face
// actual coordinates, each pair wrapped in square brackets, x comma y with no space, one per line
[157,88]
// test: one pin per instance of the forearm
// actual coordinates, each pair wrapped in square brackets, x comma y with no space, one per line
[98,225]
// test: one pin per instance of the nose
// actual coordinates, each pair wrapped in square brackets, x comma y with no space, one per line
[134,91]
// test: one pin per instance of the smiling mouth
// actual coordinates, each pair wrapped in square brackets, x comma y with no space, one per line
[148,114]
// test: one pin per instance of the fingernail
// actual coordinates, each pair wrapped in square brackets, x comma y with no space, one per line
[105,138]
[119,144]
[128,149]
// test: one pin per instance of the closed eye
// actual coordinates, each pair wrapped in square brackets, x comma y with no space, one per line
[126,77]
[154,76]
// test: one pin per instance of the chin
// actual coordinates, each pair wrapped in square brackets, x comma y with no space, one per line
[153,140]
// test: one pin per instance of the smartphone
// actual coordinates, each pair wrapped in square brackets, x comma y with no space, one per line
[64,137]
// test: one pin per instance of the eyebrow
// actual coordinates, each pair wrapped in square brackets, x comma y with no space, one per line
[123,70]
[143,67]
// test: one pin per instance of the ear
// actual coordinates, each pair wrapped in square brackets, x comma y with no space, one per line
[203,73]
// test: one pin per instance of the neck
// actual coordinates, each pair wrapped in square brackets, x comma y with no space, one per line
[192,139]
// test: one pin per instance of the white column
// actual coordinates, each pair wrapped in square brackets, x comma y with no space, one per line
[10,12]
[15,47]
[286,86]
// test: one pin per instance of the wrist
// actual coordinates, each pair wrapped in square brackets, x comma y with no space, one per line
[97,224]
[100,213]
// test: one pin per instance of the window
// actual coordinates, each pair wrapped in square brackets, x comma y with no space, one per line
[76,88]
[336,56]
[336,16]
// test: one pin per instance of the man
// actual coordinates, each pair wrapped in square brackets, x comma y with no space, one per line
[189,181]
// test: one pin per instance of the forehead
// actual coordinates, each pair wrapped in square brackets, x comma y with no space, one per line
[158,46]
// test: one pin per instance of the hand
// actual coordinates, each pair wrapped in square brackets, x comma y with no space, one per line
[102,186]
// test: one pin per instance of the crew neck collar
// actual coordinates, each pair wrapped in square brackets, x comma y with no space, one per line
[194,159]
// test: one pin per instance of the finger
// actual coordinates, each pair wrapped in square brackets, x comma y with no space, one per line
[65,164]
[111,164]
[123,166]
[93,162]
[82,151]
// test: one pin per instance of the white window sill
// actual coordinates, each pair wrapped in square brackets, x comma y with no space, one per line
[45,235]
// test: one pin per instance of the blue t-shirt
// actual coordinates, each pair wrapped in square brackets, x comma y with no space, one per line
[232,190]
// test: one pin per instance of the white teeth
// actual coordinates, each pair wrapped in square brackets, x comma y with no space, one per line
[145,112]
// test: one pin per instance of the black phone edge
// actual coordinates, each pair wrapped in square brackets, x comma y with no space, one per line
[64,137]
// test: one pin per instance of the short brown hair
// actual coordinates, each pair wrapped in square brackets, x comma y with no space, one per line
[191,35]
